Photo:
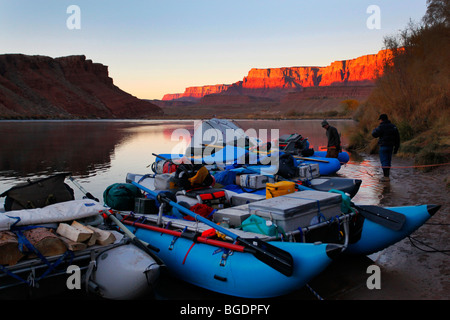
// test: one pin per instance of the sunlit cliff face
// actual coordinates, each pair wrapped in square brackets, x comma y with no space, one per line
[360,71]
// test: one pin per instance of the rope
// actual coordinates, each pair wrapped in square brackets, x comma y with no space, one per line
[424,244]
[402,167]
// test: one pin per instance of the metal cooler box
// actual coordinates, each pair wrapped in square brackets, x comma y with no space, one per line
[234,215]
[298,209]
[308,171]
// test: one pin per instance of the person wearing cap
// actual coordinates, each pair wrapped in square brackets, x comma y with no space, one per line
[334,140]
[389,142]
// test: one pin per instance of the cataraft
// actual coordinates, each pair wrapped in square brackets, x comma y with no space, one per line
[64,244]
[226,174]
[219,258]
[254,245]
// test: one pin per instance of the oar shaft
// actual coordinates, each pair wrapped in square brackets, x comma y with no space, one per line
[189,212]
[138,242]
[311,159]
[216,243]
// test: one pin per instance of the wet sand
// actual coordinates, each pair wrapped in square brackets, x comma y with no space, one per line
[407,272]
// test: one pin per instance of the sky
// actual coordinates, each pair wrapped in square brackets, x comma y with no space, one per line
[156,47]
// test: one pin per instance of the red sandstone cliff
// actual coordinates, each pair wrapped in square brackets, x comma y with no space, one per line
[66,87]
[277,82]
[195,93]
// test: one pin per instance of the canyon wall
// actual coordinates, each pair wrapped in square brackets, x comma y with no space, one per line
[66,87]
[275,83]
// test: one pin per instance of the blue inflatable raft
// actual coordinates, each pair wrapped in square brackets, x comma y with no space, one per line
[246,267]
[343,156]
[377,234]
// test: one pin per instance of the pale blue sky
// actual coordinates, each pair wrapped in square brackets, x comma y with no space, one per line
[158,47]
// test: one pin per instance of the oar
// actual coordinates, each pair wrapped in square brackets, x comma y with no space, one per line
[138,243]
[87,194]
[311,159]
[382,216]
[144,246]
[273,256]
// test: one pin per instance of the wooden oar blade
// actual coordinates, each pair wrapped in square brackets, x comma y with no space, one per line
[271,255]
[385,217]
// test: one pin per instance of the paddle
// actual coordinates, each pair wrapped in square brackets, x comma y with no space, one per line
[311,159]
[385,217]
[87,194]
[273,256]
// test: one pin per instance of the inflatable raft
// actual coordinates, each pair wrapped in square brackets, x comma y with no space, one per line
[362,229]
[113,276]
[242,264]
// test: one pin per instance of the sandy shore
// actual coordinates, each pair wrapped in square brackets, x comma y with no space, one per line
[407,272]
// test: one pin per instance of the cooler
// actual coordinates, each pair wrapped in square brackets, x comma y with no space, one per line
[234,215]
[254,181]
[308,171]
[298,209]
[245,198]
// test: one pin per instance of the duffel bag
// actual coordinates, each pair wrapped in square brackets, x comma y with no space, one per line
[121,196]
[38,193]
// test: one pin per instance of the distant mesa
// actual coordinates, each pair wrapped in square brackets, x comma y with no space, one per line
[277,83]
[66,87]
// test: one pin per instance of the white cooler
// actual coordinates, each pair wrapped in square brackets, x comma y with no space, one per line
[298,209]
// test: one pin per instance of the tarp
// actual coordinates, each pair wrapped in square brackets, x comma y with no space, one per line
[58,212]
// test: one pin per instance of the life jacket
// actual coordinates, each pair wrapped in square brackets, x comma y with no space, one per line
[212,197]
[202,210]
[169,167]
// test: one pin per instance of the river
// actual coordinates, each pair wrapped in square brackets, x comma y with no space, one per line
[99,153]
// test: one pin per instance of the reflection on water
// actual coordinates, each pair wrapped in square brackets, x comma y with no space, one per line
[368,170]
[100,153]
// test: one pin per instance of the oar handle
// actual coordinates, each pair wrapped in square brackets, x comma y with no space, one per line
[134,239]
[87,194]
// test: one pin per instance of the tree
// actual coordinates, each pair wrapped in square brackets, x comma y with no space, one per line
[438,12]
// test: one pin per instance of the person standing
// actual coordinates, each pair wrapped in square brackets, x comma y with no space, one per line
[389,142]
[334,140]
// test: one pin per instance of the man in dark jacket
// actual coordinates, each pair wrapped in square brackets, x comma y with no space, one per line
[334,140]
[389,142]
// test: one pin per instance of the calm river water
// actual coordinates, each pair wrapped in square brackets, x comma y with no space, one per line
[100,153]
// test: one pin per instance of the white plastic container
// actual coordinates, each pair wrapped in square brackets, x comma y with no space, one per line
[254,181]
[308,171]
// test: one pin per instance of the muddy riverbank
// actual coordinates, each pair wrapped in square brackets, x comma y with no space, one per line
[416,268]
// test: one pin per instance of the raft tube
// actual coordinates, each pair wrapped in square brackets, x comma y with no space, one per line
[375,237]
[343,157]
[238,274]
